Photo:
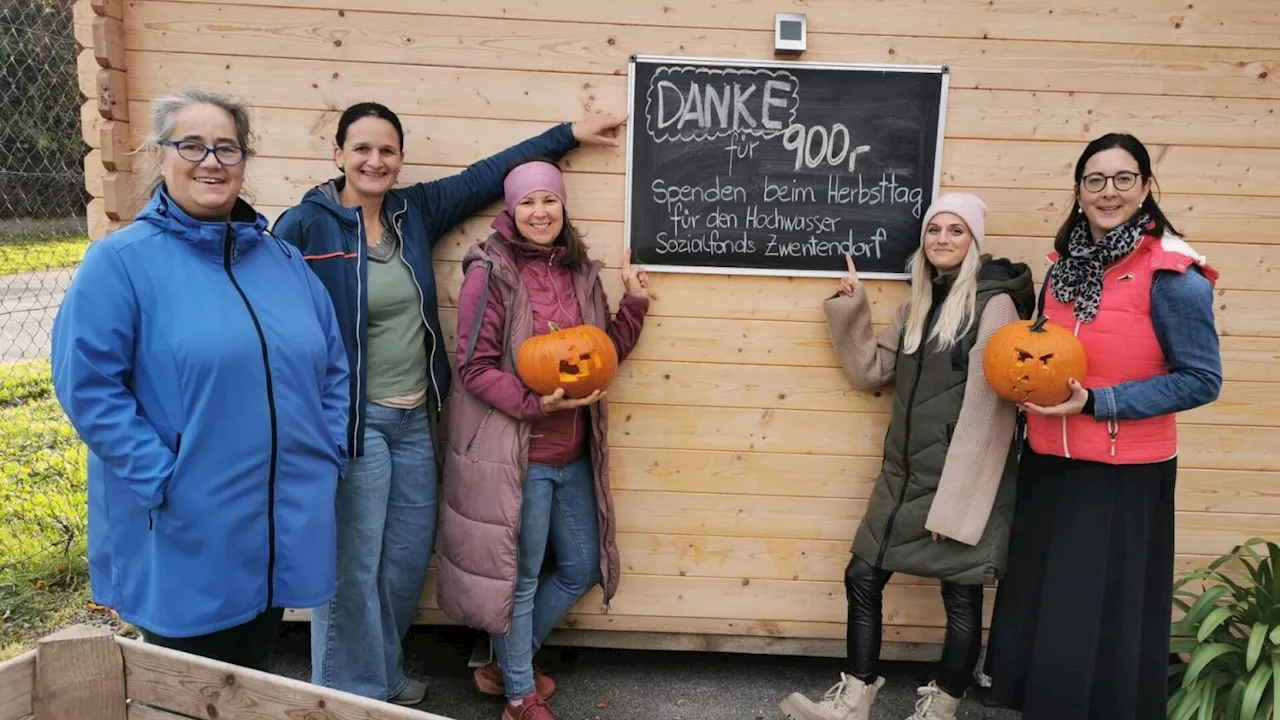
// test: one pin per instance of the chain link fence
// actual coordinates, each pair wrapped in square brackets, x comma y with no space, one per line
[42,238]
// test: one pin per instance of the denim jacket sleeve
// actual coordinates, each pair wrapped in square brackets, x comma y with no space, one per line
[1182,313]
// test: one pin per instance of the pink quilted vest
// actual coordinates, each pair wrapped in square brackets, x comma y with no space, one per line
[1120,345]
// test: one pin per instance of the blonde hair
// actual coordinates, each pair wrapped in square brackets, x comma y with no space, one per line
[956,316]
[165,109]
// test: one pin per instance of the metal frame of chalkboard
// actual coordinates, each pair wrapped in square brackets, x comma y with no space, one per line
[942,70]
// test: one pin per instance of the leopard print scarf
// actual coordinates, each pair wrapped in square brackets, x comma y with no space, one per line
[1078,276]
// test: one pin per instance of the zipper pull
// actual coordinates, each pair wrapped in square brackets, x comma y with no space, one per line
[1114,428]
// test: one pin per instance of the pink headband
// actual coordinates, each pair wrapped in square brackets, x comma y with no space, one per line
[531,177]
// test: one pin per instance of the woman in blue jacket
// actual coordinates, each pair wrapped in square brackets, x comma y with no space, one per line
[370,243]
[201,362]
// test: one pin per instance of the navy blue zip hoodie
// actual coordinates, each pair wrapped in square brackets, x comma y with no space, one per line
[333,242]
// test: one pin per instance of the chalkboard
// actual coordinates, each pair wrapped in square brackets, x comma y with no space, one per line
[780,168]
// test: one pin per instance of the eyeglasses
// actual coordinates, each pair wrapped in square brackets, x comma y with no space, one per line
[196,152]
[1095,182]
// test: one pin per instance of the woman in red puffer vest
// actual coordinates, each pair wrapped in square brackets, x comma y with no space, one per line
[1081,623]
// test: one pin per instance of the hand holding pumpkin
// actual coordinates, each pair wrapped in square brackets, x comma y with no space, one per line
[556,401]
[849,282]
[1034,364]
[1073,405]
[634,278]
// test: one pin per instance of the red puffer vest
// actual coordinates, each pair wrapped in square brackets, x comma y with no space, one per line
[1120,345]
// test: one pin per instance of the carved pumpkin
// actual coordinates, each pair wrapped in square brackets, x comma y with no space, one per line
[1028,361]
[580,359]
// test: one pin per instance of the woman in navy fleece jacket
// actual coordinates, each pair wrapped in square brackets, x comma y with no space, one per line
[370,244]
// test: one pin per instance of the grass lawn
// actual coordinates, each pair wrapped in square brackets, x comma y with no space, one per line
[33,253]
[44,581]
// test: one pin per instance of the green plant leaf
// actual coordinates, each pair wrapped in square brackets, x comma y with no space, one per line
[1183,644]
[1275,681]
[1211,623]
[1233,701]
[1204,655]
[1256,638]
[1253,692]
[1204,605]
[1207,700]
[1190,703]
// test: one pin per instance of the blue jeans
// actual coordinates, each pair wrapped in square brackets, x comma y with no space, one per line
[386,534]
[560,506]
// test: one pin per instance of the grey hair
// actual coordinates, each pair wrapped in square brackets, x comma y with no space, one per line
[163,111]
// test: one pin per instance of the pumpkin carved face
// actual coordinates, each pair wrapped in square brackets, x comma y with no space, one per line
[580,359]
[1032,362]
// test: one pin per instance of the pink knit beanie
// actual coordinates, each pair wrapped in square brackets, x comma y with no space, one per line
[968,207]
[531,177]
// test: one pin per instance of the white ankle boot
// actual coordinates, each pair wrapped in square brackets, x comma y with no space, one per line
[934,704]
[849,699]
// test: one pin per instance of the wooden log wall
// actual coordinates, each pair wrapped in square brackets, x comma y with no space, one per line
[742,457]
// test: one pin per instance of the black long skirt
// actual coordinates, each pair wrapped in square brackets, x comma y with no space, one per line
[1081,623]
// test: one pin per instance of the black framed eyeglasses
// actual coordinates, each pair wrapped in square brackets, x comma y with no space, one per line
[1124,180]
[196,152]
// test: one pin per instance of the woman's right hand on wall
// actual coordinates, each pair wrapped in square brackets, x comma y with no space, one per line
[556,401]
[849,282]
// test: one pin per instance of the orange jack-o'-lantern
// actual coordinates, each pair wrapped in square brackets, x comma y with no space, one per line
[1032,361]
[580,359]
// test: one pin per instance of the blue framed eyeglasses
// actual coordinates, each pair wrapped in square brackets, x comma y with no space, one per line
[196,152]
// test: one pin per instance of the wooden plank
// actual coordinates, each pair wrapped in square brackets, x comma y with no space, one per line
[745,430]
[118,196]
[82,19]
[862,434]
[1223,491]
[17,686]
[93,173]
[146,712]
[767,600]
[606,48]
[1250,24]
[824,476]
[316,83]
[108,42]
[198,687]
[738,516]
[115,142]
[312,87]
[690,384]
[1216,533]
[1049,166]
[79,674]
[742,628]
[91,124]
[108,8]
[113,95]
[1081,117]
[87,75]
[773,387]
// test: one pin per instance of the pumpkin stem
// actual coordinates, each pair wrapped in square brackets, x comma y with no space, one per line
[1038,326]
[553,327]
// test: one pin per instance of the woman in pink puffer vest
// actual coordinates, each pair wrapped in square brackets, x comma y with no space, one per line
[525,469]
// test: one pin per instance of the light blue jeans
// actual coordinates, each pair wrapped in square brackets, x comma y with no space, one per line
[386,533]
[559,506]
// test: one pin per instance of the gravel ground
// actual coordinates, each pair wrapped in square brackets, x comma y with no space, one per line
[596,684]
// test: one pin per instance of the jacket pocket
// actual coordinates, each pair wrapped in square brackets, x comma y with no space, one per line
[471,444]
[177,453]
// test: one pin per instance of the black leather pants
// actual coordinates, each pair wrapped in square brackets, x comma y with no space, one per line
[864,588]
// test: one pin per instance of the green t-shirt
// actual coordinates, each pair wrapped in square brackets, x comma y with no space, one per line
[397,333]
